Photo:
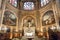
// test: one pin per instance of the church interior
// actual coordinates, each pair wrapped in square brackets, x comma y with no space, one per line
[29,19]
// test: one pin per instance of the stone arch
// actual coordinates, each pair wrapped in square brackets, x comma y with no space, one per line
[48,18]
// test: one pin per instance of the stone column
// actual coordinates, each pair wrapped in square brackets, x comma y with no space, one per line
[20,21]
[2,11]
[58,6]
[0,17]
[38,20]
[0,3]
[55,6]
[58,11]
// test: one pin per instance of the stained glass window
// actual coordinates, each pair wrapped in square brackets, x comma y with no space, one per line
[13,2]
[44,2]
[28,6]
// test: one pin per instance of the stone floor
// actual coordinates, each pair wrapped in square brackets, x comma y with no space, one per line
[35,38]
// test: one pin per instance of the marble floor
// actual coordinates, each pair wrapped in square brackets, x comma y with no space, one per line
[35,38]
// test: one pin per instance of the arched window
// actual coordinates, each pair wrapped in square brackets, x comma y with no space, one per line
[9,19]
[28,6]
[44,2]
[13,2]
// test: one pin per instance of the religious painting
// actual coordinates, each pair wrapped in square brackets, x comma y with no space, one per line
[9,19]
[48,18]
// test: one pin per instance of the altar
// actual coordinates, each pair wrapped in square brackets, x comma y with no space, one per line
[29,32]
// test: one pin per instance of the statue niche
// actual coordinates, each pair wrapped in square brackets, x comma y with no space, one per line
[29,22]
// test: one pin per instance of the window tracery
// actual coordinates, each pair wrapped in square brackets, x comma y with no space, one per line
[28,6]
